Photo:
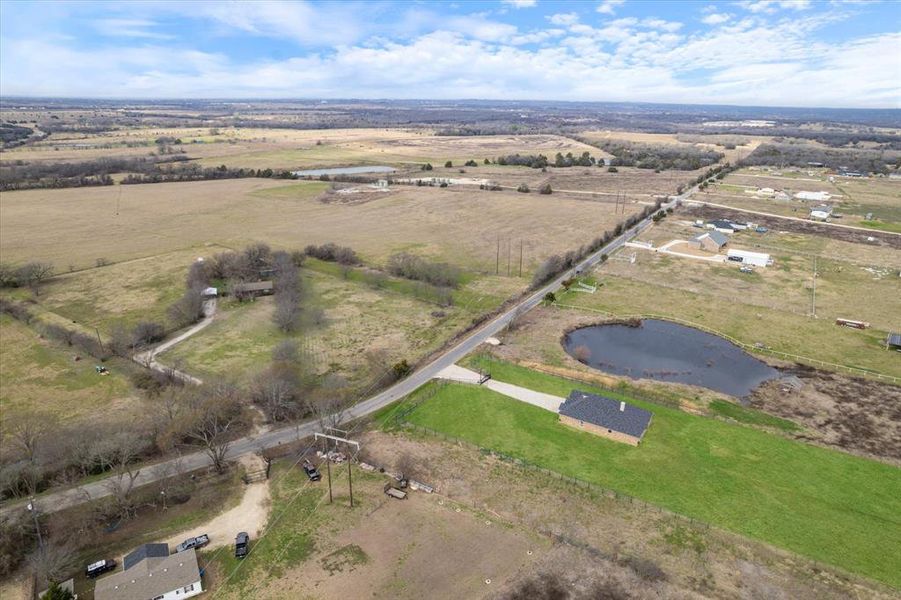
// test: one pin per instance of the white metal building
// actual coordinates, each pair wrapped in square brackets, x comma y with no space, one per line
[814,196]
[758,259]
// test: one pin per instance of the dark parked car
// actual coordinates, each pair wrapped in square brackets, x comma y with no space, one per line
[312,472]
[242,543]
[195,542]
[95,569]
[736,258]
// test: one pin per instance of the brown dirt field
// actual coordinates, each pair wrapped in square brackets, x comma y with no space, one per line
[596,538]
[847,413]
[76,226]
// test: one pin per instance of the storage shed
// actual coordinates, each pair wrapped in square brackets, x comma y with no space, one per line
[711,241]
[758,259]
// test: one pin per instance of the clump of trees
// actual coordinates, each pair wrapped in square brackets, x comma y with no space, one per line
[536,162]
[584,160]
[658,156]
[332,252]
[29,275]
[523,188]
[545,189]
[864,161]
[417,268]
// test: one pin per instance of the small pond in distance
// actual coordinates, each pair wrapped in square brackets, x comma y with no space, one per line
[667,351]
[344,171]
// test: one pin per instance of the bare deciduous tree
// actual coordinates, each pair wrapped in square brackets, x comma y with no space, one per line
[214,416]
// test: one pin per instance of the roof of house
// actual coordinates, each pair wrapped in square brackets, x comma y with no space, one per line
[722,224]
[145,551]
[894,339]
[151,577]
[256,286]
[606,412]
[718,238]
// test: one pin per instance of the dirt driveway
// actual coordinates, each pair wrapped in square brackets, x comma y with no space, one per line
[249,515]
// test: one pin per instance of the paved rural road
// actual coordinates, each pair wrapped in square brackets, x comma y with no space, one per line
[60,500]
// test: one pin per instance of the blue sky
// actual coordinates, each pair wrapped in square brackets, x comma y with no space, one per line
[753,52]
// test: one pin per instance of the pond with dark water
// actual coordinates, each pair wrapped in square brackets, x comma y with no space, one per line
[667,351]
[344,171]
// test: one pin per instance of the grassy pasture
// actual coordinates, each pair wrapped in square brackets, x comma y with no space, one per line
[76,226]
[777,329]
[122,293]
[38,376]
[867,290]
[827,505]
[359,319]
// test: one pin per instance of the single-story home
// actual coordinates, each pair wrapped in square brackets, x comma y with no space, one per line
[255,288]
[711,241]
[150,572]
[605,417]
[721,225]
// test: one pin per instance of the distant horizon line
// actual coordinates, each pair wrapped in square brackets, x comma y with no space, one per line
[323,99]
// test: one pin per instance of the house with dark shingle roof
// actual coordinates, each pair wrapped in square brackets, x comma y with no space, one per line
[893,341]
[710,241]
[605,417]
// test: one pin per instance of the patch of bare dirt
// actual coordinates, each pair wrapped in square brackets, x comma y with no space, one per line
[599,543]
[849,413]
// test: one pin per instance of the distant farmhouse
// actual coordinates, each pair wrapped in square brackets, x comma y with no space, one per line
[605,417]
[256,288]
[711,241]
[813,196]
[150,572]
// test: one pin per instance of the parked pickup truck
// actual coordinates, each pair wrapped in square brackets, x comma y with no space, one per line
[195,542]
[95,569]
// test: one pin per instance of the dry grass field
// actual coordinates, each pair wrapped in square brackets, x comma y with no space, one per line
[364,330]
[292,149]
[41,377]
[710,142]
[77,226]
[853,198]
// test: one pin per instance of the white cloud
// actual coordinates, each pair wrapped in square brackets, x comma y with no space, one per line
[655,23]
[520,3]
[771,6]
[716,18]
[752,60]
[564,19]
[608,7]
[136,28]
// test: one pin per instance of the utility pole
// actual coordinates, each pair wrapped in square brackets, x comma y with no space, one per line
[344,440]
[99,341]
[813,296]
[509,244]
[497,260]
[33,509]
[520,258]
[328,469]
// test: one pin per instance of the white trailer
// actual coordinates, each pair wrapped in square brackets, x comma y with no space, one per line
[758,259]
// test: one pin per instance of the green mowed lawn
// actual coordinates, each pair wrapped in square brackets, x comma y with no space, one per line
[830,506]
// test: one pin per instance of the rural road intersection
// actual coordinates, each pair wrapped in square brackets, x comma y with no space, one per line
[60,500]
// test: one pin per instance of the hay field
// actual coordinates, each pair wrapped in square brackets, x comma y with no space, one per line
[710,142]
[77,226]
